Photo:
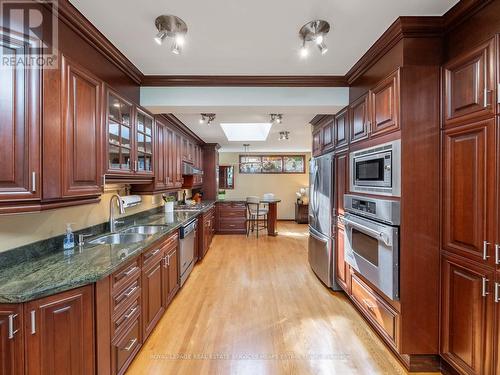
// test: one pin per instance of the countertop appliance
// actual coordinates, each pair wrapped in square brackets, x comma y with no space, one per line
[372,240]
[377,170]
[187,235]
[321,249]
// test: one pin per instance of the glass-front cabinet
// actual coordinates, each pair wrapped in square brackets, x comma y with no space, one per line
[129,138]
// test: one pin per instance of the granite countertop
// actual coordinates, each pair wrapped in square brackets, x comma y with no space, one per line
[59,271]
[262,200]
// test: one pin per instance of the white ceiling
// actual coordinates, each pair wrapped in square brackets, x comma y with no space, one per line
[296,124]
[249,37]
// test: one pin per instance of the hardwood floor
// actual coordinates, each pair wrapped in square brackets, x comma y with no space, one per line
[253,306]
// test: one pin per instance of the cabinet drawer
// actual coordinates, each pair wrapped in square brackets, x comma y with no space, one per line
[171,241]
[374,308]
[124,275]
[234,213]
[132,311]
[125,347]
[231,205]
[150,256]
[124,297]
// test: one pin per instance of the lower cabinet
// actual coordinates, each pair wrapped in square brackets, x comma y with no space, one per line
[466,315]
[231,217]
[125,347]
[341,267]
[11,340]
[59,333]
[171,274]
[152,293]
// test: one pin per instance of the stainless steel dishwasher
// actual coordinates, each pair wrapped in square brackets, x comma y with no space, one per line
[187,234]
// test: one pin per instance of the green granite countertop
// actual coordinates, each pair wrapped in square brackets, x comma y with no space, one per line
[60,271]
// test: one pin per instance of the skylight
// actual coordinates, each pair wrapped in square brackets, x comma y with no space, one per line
[257,131]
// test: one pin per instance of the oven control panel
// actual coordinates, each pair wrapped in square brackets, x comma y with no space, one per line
[365,206]
[384,210]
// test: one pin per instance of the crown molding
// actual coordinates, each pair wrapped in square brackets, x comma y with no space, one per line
[76,21]
[462,11]
[179,125]
[244,80]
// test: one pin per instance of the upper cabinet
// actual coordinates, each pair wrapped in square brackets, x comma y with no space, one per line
[19,127]
[359,119]
[341,128]
[316,139]
[327,136]
[384,105]
[81,95]
[468,83]
[129,138]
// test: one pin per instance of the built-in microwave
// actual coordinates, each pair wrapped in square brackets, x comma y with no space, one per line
[377,169]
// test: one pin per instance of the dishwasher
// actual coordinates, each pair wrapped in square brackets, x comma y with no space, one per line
[187,234]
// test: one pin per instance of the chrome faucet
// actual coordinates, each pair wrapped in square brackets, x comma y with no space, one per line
[112,220]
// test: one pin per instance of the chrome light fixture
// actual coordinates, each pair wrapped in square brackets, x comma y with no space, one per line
[314,31]
[207,118]
[276,118]
[172,27]
[284,135]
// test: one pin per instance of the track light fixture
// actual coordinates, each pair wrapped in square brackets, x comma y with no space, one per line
[284,135]
[314,31]
[207,118]
[172,27]
[276,118]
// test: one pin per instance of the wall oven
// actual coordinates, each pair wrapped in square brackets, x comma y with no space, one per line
[371,245]
[377,170]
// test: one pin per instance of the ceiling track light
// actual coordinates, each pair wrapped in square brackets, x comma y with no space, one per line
[314,31]
[284,135]
[207,118]
[276,118]
[172,27]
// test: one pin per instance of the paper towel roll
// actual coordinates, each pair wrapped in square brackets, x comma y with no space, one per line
[131,200]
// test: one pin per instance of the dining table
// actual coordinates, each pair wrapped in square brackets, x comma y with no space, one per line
[272,215]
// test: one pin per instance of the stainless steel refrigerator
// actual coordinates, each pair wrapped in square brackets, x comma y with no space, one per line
[321,214]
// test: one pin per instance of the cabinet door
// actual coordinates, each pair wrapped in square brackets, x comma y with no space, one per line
[82,114]
[161,156]
[316,146]
[468,190]
[144,130]
[59,332]
[466,315]
[19,126]
[359,119]
[178,160]
[120,130]
[468,84]
[327,136]
[341,128]
[11,340]
[152,296]
[171,283]
[341,172]
[384,105]
[341,269]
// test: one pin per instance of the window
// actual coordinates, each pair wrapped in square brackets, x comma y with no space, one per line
[272,164]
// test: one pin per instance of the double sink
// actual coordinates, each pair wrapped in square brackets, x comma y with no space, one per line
[137,233]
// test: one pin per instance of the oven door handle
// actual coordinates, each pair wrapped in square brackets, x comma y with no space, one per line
[383,236]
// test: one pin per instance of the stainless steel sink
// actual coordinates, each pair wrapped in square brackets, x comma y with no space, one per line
[144,229]
[118,238]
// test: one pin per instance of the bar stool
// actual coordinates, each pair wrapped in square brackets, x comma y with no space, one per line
[256,215]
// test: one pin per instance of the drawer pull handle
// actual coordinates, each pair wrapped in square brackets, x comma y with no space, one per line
[33,322]
[130,345]
[369,305]
[485,287]
[131,312]
[485,250]
[12,331]
[130,271]
[497,298]
[131,291]
[152,254]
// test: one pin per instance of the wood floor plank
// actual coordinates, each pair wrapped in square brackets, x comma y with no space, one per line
[253,306]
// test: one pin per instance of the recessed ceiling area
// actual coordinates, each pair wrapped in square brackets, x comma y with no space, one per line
[258,37]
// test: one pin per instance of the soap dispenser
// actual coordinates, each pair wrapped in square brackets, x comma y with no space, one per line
[69,238]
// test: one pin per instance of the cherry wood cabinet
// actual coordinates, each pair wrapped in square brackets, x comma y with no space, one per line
[469,190]
[341,267]
[144,128]
[81,94]
[384,106]
[341,170]
[59,332]
[358,119]
[20,99]
[171,274]
[469,86]
[152,290]
[466,315]
[341,174]
[327,136]
[11,340]
[317,142]
[341,128]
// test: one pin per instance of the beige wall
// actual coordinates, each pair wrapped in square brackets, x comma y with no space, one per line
[283,186]
[21,229]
